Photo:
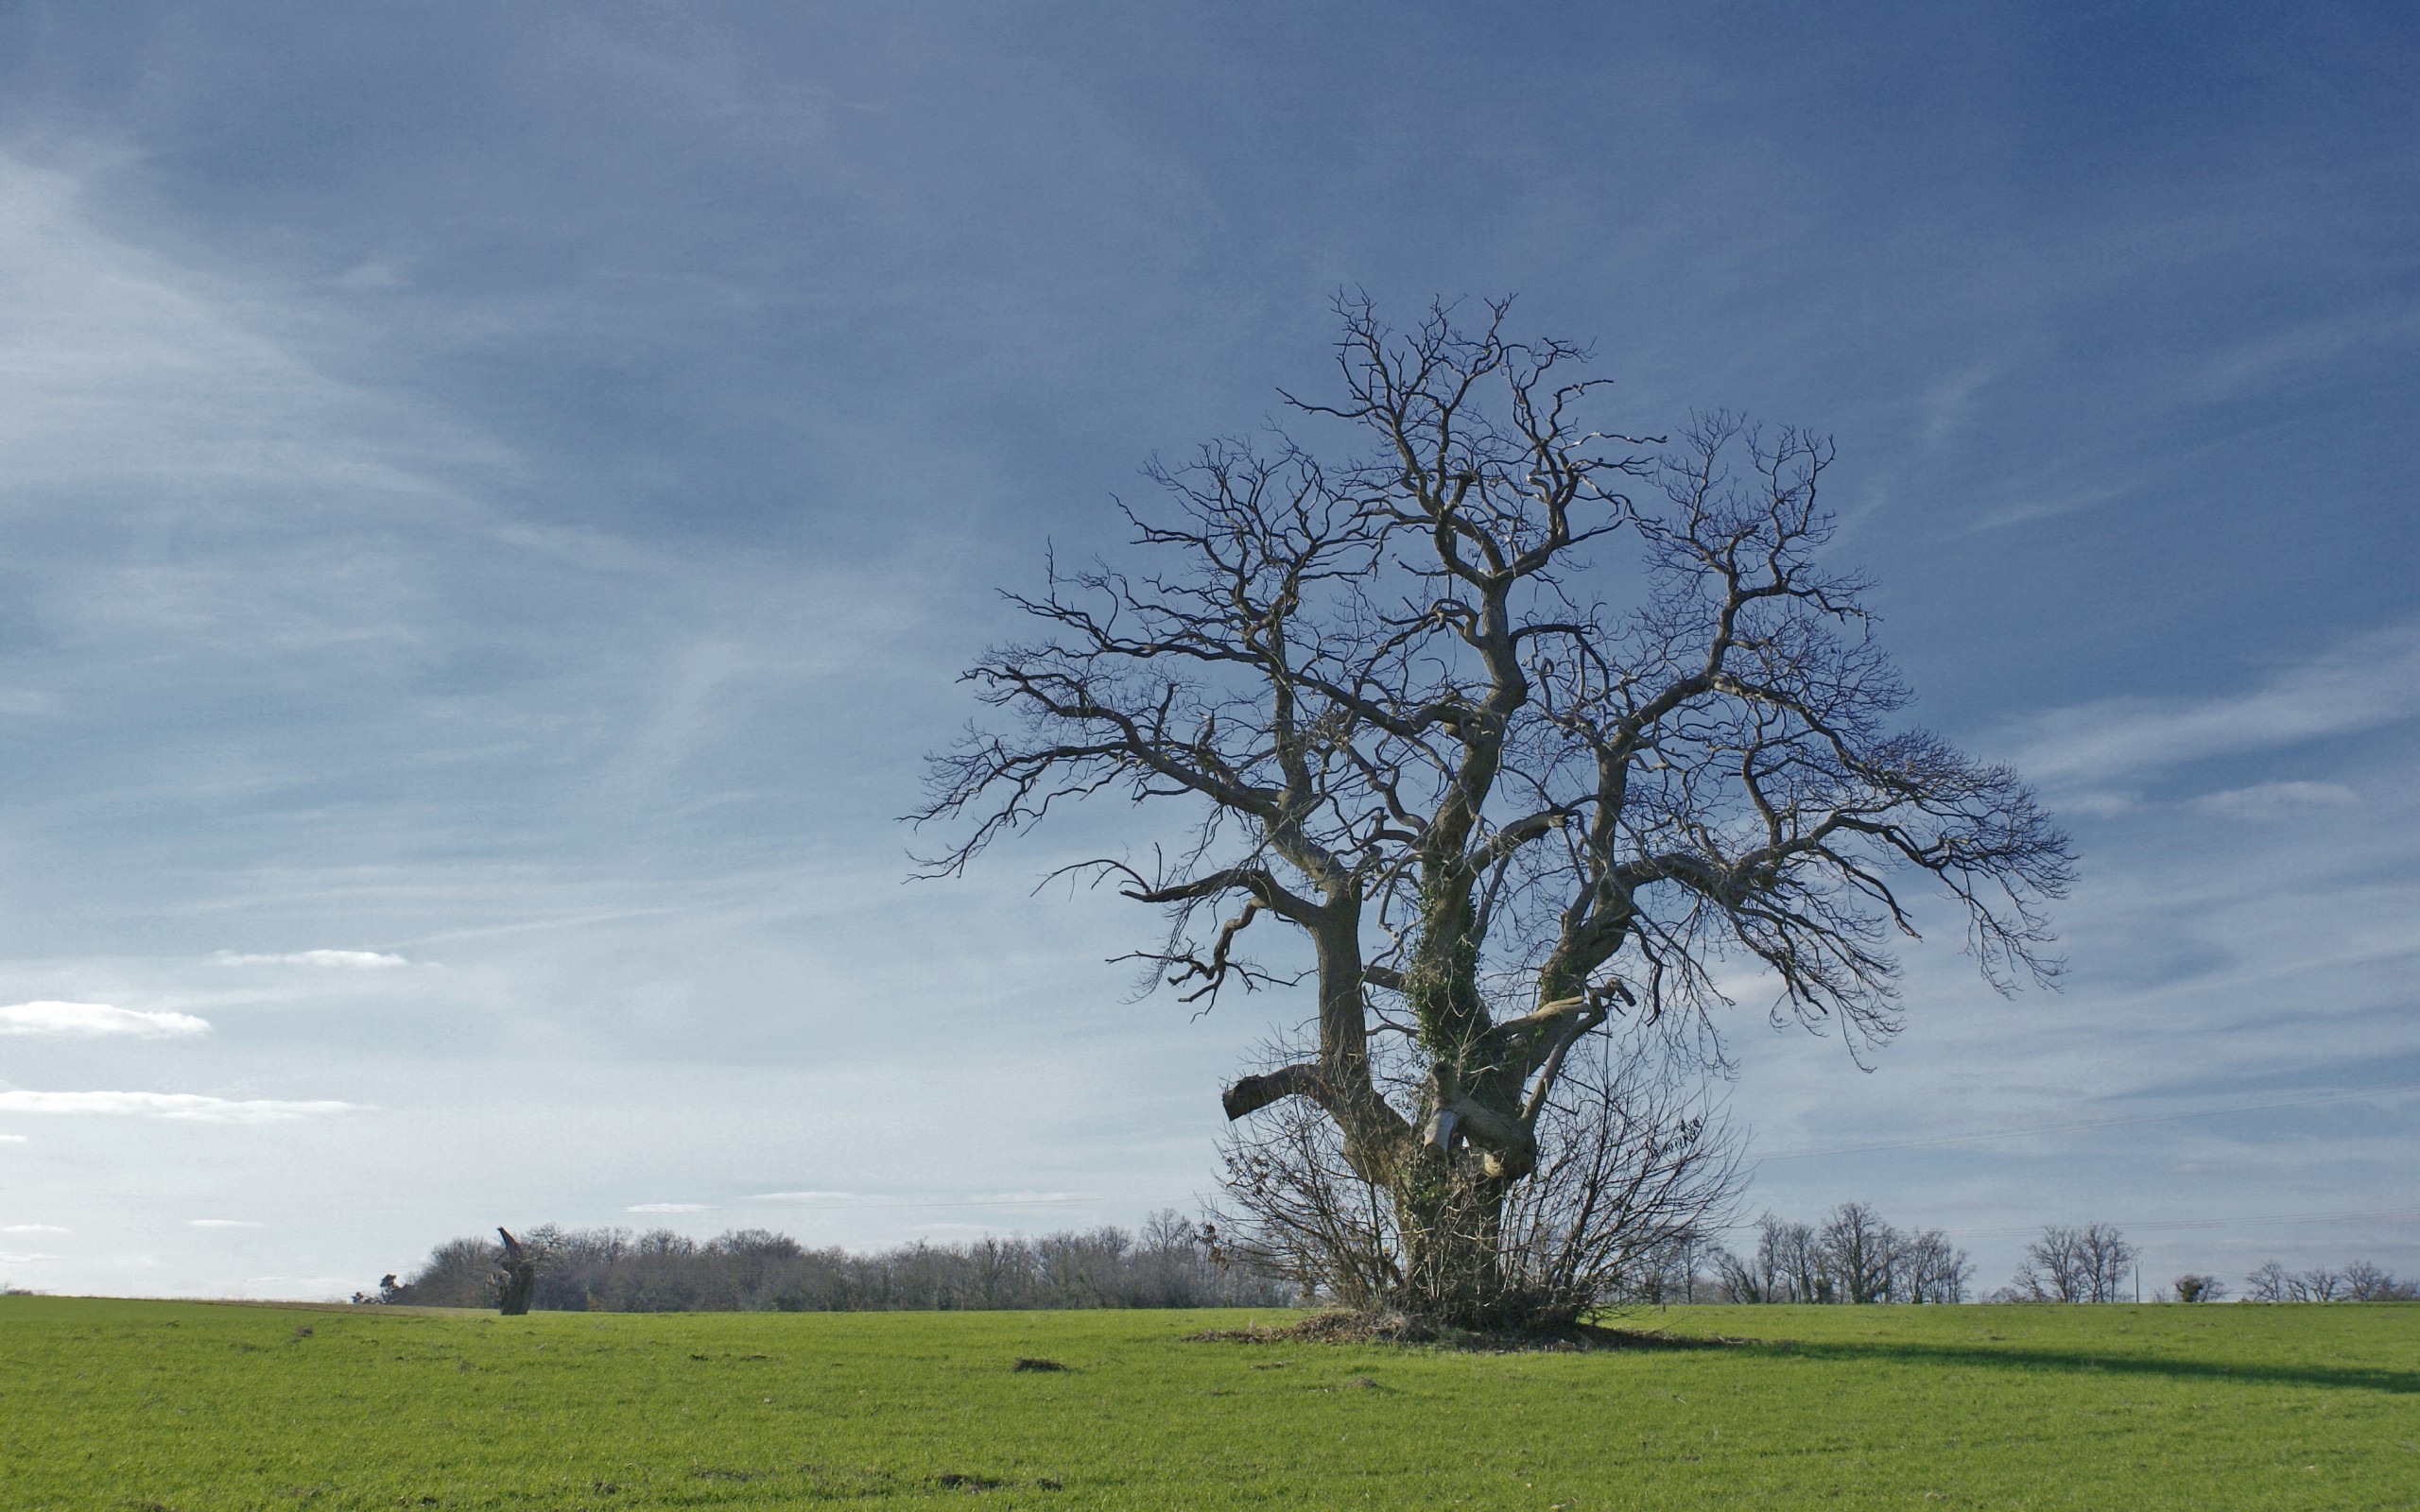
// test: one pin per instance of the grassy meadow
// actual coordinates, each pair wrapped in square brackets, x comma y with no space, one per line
[124,1405]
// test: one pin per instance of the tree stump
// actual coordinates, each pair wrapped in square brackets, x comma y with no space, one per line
[519,1278]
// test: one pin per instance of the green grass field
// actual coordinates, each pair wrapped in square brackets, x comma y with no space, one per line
[116,1404]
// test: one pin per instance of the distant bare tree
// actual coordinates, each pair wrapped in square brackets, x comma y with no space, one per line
[2358,1283]
[2086,1264]
[2271,1282]
[1801,1254]
[2107,1258]
[999,1271]
[458,1273]
[1931,1269]
[1496,813]
[1856,1257]
[1789,1264]
[2319,1284]
[1860,1252]
[1762,1273]
[2365,1282]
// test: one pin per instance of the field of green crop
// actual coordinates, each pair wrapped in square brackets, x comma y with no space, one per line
[117,1404]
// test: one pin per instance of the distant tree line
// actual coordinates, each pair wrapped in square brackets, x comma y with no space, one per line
[1852,1256]
[2358,1283]
[1170,1263]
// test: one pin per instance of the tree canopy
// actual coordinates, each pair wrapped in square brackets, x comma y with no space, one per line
[1527,726]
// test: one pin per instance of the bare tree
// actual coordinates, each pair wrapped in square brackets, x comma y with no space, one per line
[2319,1284]
[2086,1264]
[2271,1282]
[1394,708]
[2365,1282]
[1797,1252]
[2195,1286]
[1861,1251]
[1769,1274]
[458,1273]
[1931,1269]
[2105,1257]
[1856,1257]
[2358,1283]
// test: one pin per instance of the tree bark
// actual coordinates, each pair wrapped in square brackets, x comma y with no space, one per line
[1449,1212]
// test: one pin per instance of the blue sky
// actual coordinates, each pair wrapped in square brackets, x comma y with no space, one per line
[493,500]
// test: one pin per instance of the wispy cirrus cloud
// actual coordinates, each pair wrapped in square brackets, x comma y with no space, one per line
[1038,1200]
[31,1228]
[341,960]
[193,1107]
[667,1207]
[2278,800]
[2366,683]
[984,1199]
[94,1019]
[220,1223]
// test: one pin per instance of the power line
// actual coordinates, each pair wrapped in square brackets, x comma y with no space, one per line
[2096,1122]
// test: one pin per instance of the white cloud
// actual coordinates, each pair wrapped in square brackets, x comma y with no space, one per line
[1949,400]
[667,1207]
[136,370]
[187,1106]
[95,1019]
[2371,680]
[347,960]
[372,278]
[988,1199]
[1031,1198]
[2099,803]
[8,1259]
[31,1228]
[13,1139]
[2278,800]
[2309,346]
[219,1223]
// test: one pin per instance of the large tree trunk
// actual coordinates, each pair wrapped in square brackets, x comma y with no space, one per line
[1449,1215]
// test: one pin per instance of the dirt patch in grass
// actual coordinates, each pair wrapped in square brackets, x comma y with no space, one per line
[1027,1362]
[1393,1327]
[955,1482]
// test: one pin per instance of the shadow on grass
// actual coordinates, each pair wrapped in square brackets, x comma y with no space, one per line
[1394,1328]
[2342,1378]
